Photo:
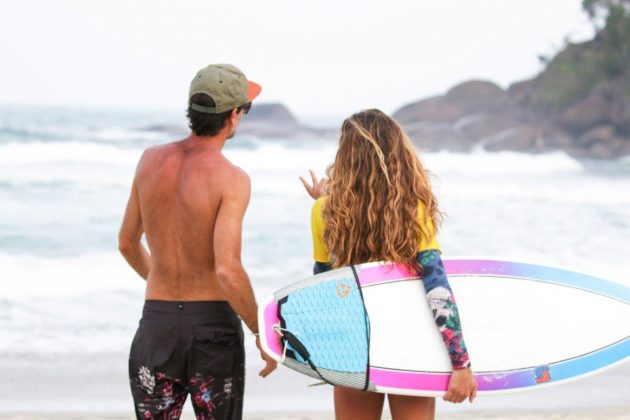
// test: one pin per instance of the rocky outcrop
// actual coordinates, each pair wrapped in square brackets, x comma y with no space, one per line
[606,105]
[436,109]
[274,121]
[479,96]
[481,114]
[602,141]
[475,97]
[470,113]
[275,113]
[527,117]
[579,103]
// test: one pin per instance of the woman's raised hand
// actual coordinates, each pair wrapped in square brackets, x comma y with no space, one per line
[317,189]
[462,385]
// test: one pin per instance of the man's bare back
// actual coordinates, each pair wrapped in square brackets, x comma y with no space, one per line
[180,187]
[189,201]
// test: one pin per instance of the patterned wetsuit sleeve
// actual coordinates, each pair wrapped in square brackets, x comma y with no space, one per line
[442,304]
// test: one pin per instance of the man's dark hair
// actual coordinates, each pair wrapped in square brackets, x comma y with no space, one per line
[201,123]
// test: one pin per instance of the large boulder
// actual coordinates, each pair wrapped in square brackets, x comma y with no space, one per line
[520,139]
[479,96]
[430,136]
[600,134]
[607,104]
[602,142]
[530,137]
[270,112]
[466,114]
[476,96]
[523,91]
[274,121]
[270,120]
[480,126]
[436,109]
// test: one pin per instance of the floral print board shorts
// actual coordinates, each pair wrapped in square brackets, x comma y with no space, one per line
[184,348]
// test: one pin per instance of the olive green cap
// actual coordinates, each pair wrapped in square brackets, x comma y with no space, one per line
[226,85]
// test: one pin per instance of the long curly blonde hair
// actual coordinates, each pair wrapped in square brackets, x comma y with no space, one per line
[375,185]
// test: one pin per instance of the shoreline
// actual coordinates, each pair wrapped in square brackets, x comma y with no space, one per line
[99,384]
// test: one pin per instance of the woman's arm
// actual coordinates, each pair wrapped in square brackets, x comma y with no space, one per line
[442,304]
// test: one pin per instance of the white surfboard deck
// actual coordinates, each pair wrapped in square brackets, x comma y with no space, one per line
[525,326]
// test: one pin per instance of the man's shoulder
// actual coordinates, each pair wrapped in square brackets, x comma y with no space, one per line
[239,173]
[238,179]
[154,157]
[229,171]
[158,149]
[154,151]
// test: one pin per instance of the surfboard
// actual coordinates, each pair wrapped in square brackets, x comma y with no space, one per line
[526,326]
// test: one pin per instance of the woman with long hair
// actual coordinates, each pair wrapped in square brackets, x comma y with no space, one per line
[377,205]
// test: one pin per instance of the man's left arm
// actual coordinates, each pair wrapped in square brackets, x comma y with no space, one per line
[129,238]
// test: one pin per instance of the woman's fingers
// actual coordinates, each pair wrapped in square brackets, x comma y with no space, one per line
[313,177]
[308,188]
[454,397]
[306,184]
[315,190]
[462,385]
[447,397]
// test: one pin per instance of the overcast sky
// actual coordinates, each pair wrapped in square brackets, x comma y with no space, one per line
[325,57]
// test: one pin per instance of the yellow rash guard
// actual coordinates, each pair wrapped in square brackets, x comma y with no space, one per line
[320,251]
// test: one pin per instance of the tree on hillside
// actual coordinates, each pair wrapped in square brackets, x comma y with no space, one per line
[612,21]
[599,8]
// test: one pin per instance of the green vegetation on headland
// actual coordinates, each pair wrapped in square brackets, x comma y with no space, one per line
[579,69]
[579,103]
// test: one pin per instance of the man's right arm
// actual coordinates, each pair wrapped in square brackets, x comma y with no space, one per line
[227,250]
[227,256]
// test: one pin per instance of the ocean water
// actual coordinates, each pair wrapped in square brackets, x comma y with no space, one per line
[65,176]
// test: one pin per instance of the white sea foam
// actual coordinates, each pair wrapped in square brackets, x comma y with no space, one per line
[86,304]
[122,135]
[76,164]
[63,190]
[21,153]
[501,163]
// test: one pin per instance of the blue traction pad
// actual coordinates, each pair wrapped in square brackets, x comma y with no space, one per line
[330,320]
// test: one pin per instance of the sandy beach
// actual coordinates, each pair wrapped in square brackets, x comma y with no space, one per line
[604,414]
[99,390]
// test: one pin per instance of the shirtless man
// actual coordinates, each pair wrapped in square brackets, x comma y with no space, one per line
[189,201]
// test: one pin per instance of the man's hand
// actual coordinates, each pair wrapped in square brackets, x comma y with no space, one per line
[317,189]
[462,385]
[271,364]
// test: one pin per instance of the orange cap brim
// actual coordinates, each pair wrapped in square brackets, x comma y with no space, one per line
[253,90]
